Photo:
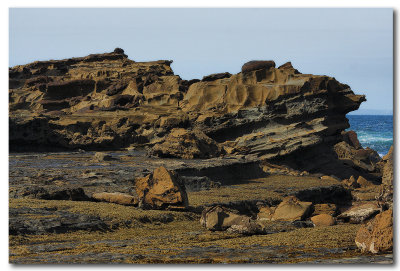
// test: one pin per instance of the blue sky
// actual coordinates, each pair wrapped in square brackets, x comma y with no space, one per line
[353,45]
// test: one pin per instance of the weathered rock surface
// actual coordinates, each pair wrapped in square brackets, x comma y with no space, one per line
[118,198]
[181,143]
[291,209]
[219,218]
[161,189]
[46,220]
[360,212]
[385,197]
[377,235]
[323,220]
[106,101]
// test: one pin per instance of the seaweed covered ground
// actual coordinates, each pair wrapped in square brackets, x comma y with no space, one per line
[84,231]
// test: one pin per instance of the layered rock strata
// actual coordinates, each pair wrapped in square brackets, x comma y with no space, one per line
[107,101]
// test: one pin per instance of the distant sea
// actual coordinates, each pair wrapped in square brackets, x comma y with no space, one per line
[374,131]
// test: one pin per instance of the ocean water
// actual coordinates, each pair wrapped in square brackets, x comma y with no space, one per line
[374,131]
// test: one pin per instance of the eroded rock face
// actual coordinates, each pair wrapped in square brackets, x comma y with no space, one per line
[181,143]
[377,235]
[385,198]
[160,190]
[106,101]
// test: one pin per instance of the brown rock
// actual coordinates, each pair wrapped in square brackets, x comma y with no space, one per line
[362,182]
[265,213]
[323,220]
[377,235]
[387,178]
[181,143]
[118,198]
[291,209]
[219,218]
[257,65]
[351,182]
[160,190]
[351,138]
[216,76]
[360,212]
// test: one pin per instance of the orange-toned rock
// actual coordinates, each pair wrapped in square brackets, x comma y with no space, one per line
[161,189]
[118,198]
[323,220]
[291,209]
[387,178]
[377,235]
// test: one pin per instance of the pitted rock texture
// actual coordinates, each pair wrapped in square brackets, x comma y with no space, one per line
[377,235]
[107,101]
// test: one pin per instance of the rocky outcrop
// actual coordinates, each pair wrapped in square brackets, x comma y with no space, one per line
[263,110]
[161,189]
[377,235]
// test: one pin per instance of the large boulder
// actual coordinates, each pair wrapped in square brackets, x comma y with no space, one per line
[257,65]
[161,189]
[291,209]
[377,235]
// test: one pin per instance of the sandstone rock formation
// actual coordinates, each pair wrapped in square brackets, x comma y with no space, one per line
[377,235]
[181,143]
[385,197]
[107,101]
[160,190]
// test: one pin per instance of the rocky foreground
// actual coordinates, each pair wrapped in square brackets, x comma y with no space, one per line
[114,160]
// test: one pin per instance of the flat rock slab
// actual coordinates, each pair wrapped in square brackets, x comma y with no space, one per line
[49,220]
